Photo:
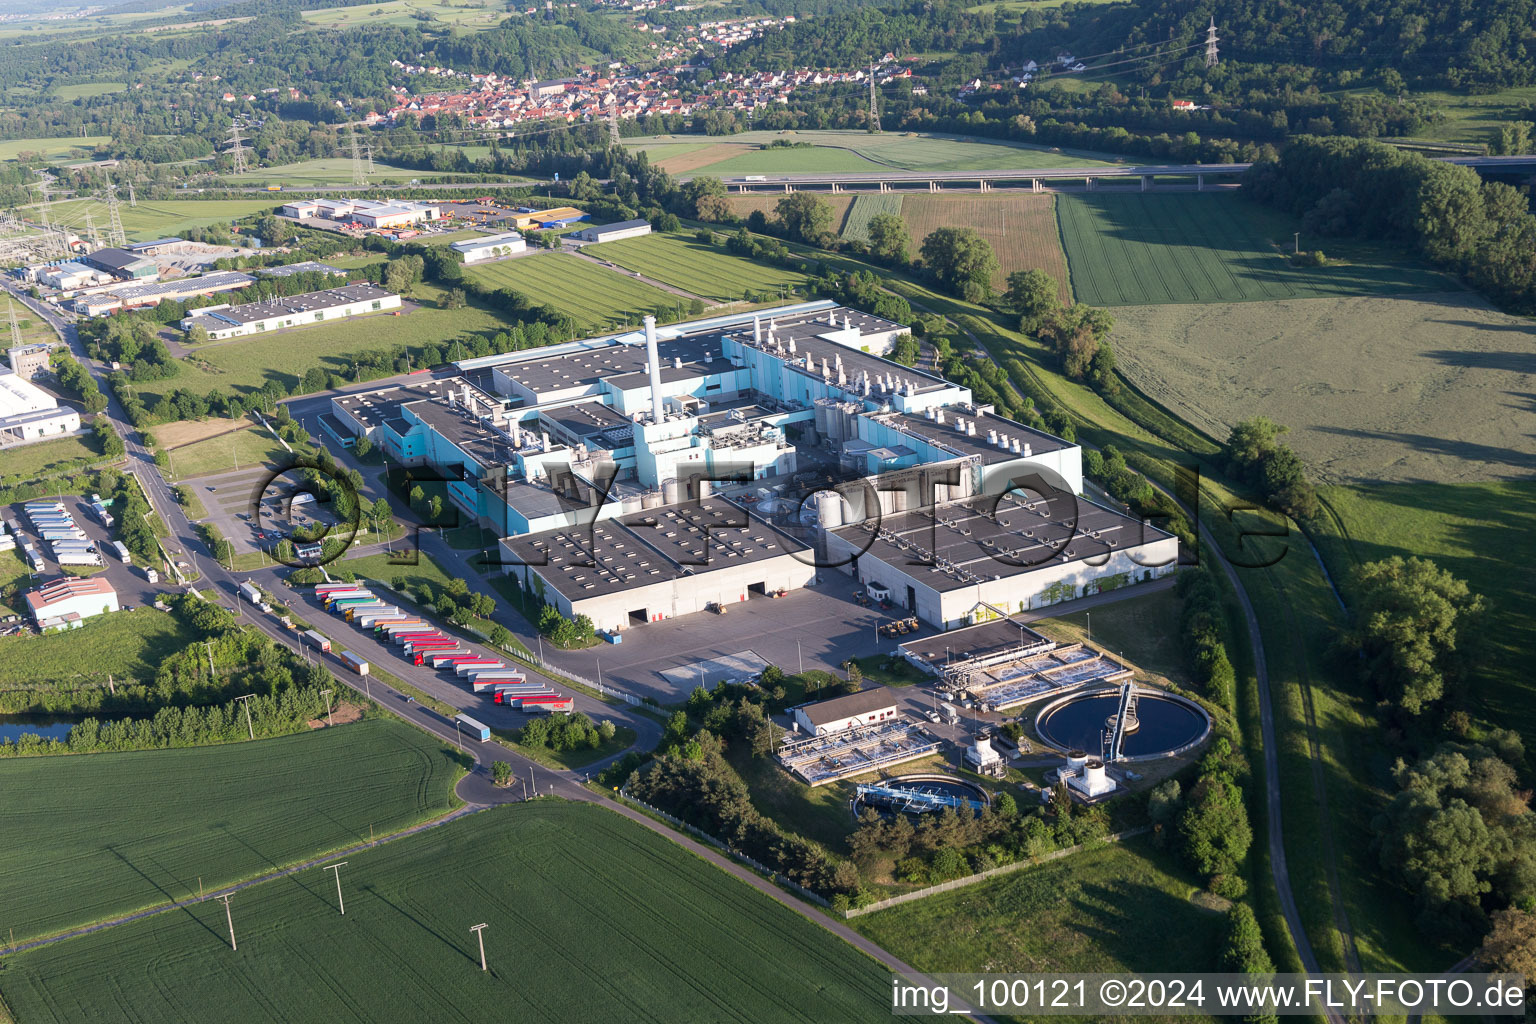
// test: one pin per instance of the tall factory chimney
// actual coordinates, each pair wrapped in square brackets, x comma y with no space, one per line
[654,361]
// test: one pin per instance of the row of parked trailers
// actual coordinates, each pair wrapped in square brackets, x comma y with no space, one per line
[56,525]
[422,643]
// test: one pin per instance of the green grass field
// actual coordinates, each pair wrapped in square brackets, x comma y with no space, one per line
[161,217]
[45,458]
[595,296]
[379,567]
[79,90]
[127,644]
[1135,249]
[863,210]
[111,833]
[849,150]
[1144,629]
[590,917]
[463,15]
[52,149]
[248,447]
[705,270]
[244,364]
[1106,910]
[324,171]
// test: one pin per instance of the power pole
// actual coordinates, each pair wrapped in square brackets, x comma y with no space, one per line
[15,327]
[613,122]
[874,109]
[479,931]
[133,200]
[368,150]
[230,917]
[1210,44]
[337,868]
[91,232]
[237,149]
[115,235]
[246,700]
[359,176]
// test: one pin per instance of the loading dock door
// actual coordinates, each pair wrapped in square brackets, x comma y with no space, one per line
[911,599]
[758,589]
[638,617]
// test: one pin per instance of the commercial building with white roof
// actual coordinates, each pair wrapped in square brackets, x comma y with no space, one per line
[489,247]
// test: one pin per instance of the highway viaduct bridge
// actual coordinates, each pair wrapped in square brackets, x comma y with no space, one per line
[1041,179]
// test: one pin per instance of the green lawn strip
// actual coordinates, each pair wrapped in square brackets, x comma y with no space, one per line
[112,833]
[883,670]
[13,569]
[43,459]
[570,760]
[695,267]
[680,940]
[249,446]
[593,295]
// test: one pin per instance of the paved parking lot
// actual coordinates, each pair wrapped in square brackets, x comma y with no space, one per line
[818,627]
[132,588]
[242,503]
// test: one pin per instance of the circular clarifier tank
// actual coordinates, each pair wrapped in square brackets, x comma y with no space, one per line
[1164,724]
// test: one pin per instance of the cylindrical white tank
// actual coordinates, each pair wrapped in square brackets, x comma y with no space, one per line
[1077,760]
[671,492]
[1094,776]
[829,509]
[705,487]
[650,499]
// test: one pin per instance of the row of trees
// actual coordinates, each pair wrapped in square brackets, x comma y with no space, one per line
[1209,825]
[562,732]
[1202,629]
[1256,456]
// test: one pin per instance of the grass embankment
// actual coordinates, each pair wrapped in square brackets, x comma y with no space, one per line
[570,760]
[699,269]
[596,297]
[111,833]
[680,940]
[47,458]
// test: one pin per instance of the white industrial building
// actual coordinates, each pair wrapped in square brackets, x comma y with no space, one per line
[291,311]
[28,413]
[867,707]
[370,213]
[490,247]
[64,603]
[658,564]
[614,232]
[69,276]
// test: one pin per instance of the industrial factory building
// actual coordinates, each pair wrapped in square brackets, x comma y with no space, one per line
[614,232]
[28,413]
[489,247]
[370,213]
[867,707]
[291,311]
[63,603]
[99,302]
[946,508]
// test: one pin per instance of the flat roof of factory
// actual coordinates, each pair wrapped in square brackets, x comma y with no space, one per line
[966,542]
[986,640]
[650,546]
[588,366]
[372,408]
[948,435]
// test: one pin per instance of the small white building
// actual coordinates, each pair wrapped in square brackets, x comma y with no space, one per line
[62,603]
[69,276]
[490,247]
[867,707]
[614,232]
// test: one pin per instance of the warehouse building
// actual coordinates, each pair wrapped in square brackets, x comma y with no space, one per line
[490,247]
[370,213]
[303,267]
[557,217]
[291,311]
[28,413]
[122,264]
[867,707]
[660,563]
[614,232]
[135,296]
[69,276]
[66,603]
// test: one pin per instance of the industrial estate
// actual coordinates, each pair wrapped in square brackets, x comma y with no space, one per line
[755,511]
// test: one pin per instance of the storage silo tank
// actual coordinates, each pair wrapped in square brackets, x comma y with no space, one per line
[1077,760]
[1094,776]
[650,499]
[829,509]
[671,491]
[705,486]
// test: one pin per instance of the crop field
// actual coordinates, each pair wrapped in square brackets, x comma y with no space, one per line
[52,149]
[865,209]
[1414,387]
[590,917]
[157,219]
[849,150]
[127,644]
[706,270]
[242,365]
[1021,229]
[1105,910]
[111,833]
[595,296]
[44,458]
[323,171]
[1135,249]
[78,90]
